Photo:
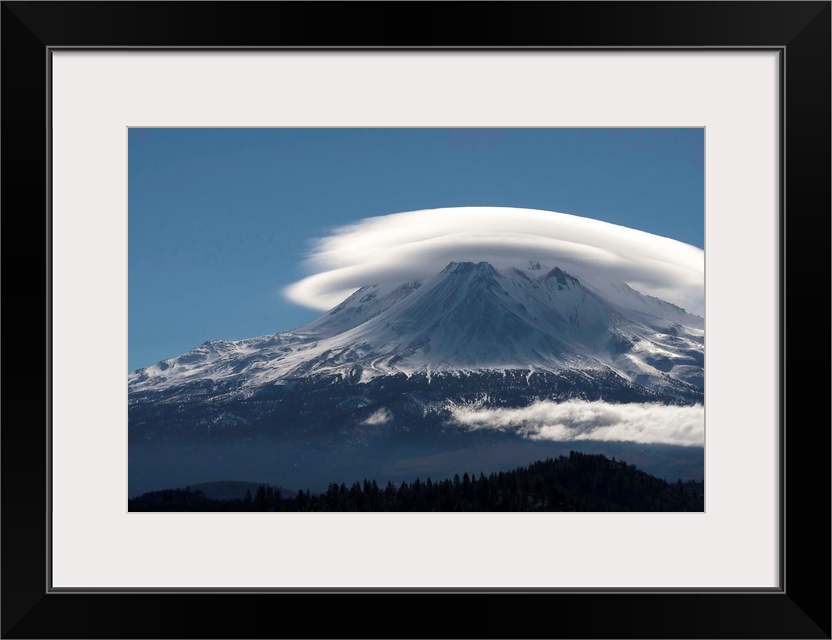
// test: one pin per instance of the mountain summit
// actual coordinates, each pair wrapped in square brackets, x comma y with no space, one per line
[470,317]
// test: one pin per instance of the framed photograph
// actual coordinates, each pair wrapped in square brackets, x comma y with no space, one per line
[468,358]
[203,171]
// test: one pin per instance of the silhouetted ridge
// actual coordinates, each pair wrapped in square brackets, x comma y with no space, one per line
[578,482]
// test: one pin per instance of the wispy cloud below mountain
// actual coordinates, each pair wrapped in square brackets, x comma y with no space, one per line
[412,245]
[581,420]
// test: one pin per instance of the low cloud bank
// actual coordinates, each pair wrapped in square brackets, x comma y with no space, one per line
[575,420]
[419,244]
[382,416]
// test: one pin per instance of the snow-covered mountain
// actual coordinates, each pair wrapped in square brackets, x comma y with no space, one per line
[468,318]
[369,388]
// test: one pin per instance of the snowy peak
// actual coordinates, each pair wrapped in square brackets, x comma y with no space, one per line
[561,278]
[468,317]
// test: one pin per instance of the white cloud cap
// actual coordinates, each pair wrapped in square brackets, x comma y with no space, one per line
[419,244]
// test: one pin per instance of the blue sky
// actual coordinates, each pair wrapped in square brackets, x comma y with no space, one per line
[220,219]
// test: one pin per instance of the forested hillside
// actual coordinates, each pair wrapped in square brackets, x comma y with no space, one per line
[578,482]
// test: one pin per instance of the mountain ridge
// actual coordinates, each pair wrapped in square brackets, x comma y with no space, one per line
[469,317]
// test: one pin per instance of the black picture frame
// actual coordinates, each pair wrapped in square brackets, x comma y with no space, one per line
[799,31]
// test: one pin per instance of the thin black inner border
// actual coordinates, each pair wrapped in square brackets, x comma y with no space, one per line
[781,50]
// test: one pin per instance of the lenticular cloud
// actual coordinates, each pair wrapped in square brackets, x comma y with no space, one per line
[419,244]
[575,420]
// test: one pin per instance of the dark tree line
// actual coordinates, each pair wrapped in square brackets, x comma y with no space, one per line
[578,482]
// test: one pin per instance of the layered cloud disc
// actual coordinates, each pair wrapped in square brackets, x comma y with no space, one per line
[418,244]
